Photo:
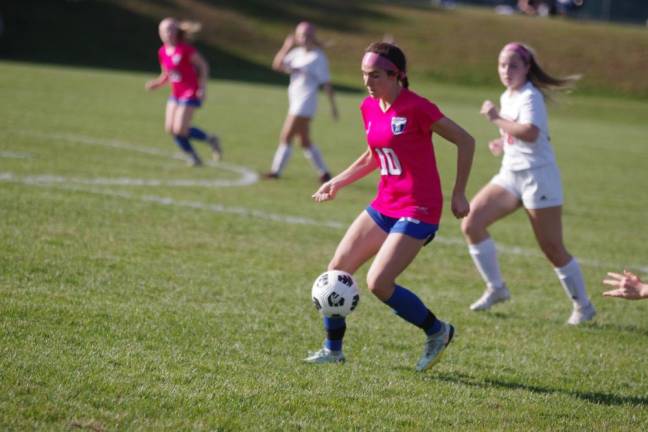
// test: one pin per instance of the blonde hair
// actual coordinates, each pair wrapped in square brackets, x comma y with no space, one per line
[187,30]
[541,79]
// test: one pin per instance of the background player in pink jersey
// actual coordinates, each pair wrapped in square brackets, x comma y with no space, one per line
[303,59]
[187,72]
[528,178]
[405,213]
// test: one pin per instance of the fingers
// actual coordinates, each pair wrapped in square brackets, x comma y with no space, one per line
[612,282]
[321,197]
[614,293]
[460,211]
[324,193]
[495,147]
[486,107]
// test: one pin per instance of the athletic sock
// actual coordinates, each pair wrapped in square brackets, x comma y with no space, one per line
[314,155]
[484,255]
[572,281]
[409,306]
[184,144]
[335,328]
[197,133]
[281,158]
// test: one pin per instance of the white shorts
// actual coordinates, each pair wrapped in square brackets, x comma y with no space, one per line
[536,187]
[302,105]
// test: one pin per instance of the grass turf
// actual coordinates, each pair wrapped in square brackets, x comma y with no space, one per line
[163,307]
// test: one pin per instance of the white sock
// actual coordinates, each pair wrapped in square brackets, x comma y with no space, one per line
[484,256]
[281,157]
[315,157]
[572,281]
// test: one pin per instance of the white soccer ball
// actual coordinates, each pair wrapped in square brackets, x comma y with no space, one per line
[335,293]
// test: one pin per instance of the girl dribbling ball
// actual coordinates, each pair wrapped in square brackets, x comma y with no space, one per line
[406,211]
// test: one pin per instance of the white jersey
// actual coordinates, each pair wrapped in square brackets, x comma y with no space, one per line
[526,106]
[308,71]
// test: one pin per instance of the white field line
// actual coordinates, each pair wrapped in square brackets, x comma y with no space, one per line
[299,220]
[48,179]
[246,176]
[14,155]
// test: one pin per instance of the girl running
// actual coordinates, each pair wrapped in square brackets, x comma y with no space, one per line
[187,71]
[528,178]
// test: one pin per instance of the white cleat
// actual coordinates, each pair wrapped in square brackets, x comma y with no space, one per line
[193,160]
[491,297]
[325,355]
[217,150]
[581,315]
[435,346]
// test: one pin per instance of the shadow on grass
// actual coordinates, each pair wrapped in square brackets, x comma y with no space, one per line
[593,397]
[341,15]
[108,35]
[641,331]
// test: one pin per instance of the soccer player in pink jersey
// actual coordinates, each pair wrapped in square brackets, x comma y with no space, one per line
[404,215]
[187,72]
[529,178]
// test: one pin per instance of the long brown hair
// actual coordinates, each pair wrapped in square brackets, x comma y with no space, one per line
[394,55]
[543,81]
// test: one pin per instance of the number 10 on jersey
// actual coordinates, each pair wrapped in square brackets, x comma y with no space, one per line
[389,163]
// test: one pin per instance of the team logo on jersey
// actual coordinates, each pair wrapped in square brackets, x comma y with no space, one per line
[175,58]
[398,125]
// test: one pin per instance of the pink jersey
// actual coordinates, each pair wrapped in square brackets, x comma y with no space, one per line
[400,140]
[176,61]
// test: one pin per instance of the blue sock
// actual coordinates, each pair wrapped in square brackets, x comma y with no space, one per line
[183,143]
[408,306]
[197,133]
[335,328]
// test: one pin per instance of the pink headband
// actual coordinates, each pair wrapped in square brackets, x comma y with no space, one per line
[520,50]
[306,27]
[372,59]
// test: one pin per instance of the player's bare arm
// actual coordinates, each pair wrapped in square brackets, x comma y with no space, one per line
[357,170]
[465,151]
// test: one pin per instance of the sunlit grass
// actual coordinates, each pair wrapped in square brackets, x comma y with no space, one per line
[185,308]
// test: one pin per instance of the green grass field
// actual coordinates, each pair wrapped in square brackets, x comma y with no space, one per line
[140,294]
